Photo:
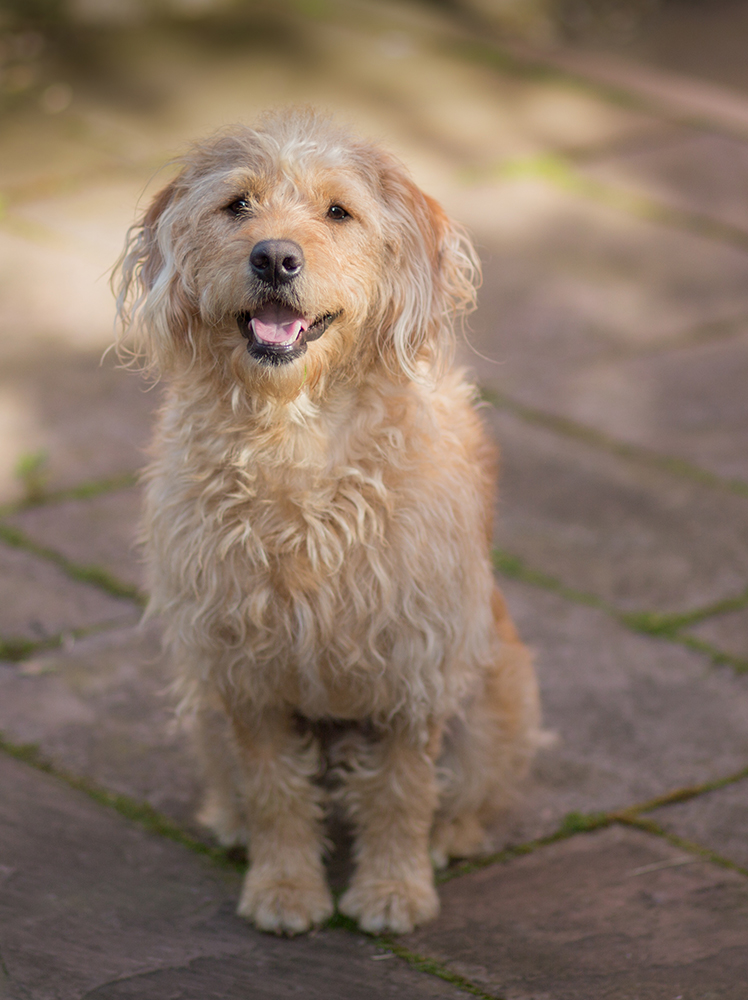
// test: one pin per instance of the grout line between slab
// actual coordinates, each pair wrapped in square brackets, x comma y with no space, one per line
[649,826]
[688,792]
[136,811]
[90,574]
[575,823]
[655,624]
[432,967]
[16,649]
[675,466]
[86,490]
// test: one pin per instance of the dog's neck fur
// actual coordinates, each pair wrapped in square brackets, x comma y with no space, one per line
[311,432]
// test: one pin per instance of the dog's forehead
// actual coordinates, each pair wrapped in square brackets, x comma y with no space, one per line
[287,152]
[292,179]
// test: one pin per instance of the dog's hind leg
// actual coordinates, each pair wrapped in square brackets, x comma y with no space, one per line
[390,793]
[222,810]
[285,889]
[488,748]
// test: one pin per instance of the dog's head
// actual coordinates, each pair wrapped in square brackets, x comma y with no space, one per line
[290,255]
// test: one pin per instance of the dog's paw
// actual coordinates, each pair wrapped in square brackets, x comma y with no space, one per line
[283,904]
[381,905]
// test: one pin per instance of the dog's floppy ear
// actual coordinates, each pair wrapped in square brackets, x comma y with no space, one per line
[155,309]
[433,275]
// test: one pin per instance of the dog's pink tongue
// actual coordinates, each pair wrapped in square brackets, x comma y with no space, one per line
[276,324]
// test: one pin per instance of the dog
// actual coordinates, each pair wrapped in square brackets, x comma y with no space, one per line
[318,518]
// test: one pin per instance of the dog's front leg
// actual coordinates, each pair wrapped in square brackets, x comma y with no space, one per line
[285,889]
[391,795]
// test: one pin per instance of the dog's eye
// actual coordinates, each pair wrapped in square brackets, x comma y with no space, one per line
[241,206]
[338,213]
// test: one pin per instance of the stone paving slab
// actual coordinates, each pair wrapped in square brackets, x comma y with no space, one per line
[634,717]
[590,313]
[100,531]
[570,280]
[101,710]
[717,820]
[90,419]
[39,601]
[580,919]
[635,536]
[699,172]
[688,402]
[91,906]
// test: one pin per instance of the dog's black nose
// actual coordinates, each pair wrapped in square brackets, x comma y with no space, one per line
[277,261]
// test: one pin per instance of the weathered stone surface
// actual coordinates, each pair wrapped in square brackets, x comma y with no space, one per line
[588,918]
[569,282]
[97,532]
[102,710]
[717,820]
[38,600]
[629,326]
[728,632]
[634,717]
[696,172]
[91,906]
[89,419]
[626,532]
[688,402]
[634,328]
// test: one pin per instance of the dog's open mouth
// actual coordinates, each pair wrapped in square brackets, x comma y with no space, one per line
[276,334]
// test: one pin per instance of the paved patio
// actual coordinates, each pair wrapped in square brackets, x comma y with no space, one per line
[610,206]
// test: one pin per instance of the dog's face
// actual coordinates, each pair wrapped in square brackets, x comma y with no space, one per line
[288,255]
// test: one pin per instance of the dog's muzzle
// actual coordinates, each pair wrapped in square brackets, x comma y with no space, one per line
[280,353]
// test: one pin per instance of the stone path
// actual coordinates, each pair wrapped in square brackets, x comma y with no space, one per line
[612,347]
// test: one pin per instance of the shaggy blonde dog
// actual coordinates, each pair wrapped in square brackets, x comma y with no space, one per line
[318,518]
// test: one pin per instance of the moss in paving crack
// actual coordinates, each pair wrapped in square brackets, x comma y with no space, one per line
[93,575]
[434,968]
[572,824]
[688,792]
[649,826]
[561,171]
[657,625]
[718,656]
[590,435]
[575,823]
[83,491]
[15,649]
[138,812]
[512,566]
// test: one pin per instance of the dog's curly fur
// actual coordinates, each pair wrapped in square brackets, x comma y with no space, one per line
[318,517]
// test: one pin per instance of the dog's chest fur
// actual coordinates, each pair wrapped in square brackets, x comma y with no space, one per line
[300,554]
